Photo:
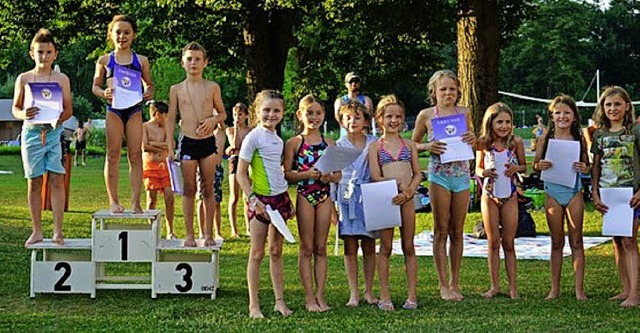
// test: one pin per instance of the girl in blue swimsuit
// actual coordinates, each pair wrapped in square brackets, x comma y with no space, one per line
[564,202]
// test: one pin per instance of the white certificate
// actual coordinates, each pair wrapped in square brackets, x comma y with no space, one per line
[127,88]
[336,158]
[280,224]
[175,175]
[502,184]
[562,154]
[618,221]
[47,97]
[379,212]
[456,150]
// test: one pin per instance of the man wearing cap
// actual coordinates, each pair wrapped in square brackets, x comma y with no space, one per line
[353,83]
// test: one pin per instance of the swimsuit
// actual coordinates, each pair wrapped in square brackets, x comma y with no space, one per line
[233,162]
[155,176]
[385,157]
[452,176]
[315,191]
[563,194]
[196,149]
[280,203]
[81,145]
[489,163]
[135,65]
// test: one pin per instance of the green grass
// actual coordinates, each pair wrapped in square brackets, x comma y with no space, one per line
[135,310]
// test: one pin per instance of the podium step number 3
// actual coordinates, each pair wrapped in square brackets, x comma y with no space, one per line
[78,266]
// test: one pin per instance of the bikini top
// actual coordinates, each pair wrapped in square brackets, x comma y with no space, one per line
[385,157]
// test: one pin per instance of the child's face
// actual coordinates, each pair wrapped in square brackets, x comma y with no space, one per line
[239,117]
[193,62]
[502,125]
[44,54]
[312,117]
[615,107]
[393,119]
[446,91]
[270,113]
[161,118]
[353,122]
[122,35]
[562,116]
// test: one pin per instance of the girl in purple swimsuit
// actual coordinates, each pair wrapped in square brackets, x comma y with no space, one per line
[313,209]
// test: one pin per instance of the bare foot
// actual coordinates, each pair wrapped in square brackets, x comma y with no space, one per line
[324,307]
[457,295]
[313,307]
[630,302]
[209,242]
[513,294]
[35,237]
[446,294]
[580,296]
[621,296]
[353,301]
[255,314]
[189,242]
[116,208]
[218,236]
[553,294]
[137,209]
[172,236]
[58,239]
[234,234]
[490,293]
[370,299]
[281,307]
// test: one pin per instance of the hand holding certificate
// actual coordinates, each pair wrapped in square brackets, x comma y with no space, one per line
[47,97]
[449,130]
[502,185]
[127,87]
[336,158]
[280,224]
[175,175]
[563,153]
[618,221]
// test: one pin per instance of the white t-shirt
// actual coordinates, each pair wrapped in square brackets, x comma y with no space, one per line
[262,149]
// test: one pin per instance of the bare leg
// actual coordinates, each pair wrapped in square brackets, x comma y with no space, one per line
[351,266]
[305,215]
[201,223]
[386,245]
[56,184]
[232,205]
[320,235]
[575,214]
[621,262]
[275,266]
[134,154]
[555,220]
[188,198]
[630,245]
[509,217]
[441,204]
[407,232]
[35,209]
[207,168]
[169,212]
[490,219]
[217,219]
[368,246]
[459,207]
[256,253]
[75,158]
[152,199]
[84,158]
[115,130]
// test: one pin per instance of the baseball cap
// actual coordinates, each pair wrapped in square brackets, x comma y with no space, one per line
[351,75]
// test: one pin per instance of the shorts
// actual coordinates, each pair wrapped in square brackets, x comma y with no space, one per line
[217,184]
[451,184]
[233,164]
[81,145]
[280,202]
[41,150]
[196,149]
[155,176]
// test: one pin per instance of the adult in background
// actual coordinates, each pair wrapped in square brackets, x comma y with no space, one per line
[353,82]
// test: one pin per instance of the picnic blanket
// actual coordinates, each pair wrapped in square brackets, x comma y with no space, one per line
[538,248]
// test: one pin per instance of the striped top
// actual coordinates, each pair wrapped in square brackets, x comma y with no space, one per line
[385,157]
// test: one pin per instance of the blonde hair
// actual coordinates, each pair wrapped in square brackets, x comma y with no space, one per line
[193,46]
[261,97]
[629,115]
[433,84]
[486,133]
[385,102]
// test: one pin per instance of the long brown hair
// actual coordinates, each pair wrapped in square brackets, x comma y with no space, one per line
[629,115]
[576,129]
[486,132]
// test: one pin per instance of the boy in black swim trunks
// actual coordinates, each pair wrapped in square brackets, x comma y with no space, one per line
[80,135]
[199,103]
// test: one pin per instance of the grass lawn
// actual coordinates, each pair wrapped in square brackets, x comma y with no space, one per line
[135,310]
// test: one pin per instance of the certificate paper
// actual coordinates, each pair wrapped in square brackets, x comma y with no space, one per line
[175,174]
[127,89]
[47,96]
[336,158]
[280,224]
[379,212]
[449,130]
[618,221]
[502,185]
[562,154]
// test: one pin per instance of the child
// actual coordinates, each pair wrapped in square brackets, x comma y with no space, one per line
[615,149]
[199,103]
[219,134]
[351,228]
[155,171]
[497,138]
[261,153]
[393,157]
[564,202]
[313,207]
[448,182]
[235,135]
[121,33]
[80,135]
[538,131]
[40,144]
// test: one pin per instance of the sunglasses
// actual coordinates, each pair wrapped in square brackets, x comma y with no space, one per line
[356,81]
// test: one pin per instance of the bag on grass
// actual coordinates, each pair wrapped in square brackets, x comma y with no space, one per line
[478,231]
[526,225]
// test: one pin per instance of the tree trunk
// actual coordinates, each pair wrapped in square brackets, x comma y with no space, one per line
[268,35]
[478,55]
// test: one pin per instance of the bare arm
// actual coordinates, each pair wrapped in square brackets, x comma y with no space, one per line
[99,78]
[18,101]
[242,176]
[522,161]
[374,166]
[171,119]
[415,168]
[146,78]
[420,130]
[538,163]
[290,175]
[67,105]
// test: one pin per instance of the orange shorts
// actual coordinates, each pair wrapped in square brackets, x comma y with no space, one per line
[155,176]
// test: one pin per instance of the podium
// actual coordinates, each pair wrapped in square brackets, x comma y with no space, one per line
[118,241]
